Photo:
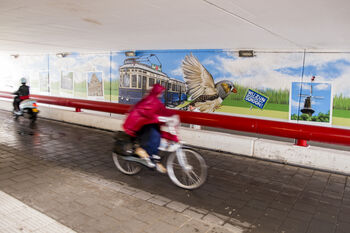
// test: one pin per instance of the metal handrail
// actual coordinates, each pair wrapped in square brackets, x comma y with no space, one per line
[301,132]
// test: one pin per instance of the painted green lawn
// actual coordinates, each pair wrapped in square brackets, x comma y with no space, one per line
[254,112]
[268,106]
[241,107]
[341,113]
[341,117]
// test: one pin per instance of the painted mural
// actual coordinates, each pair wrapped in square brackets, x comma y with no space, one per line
[205,94]
[217,80]
[83,67]
[67,82]
[95,84]
[269,85]
[311,102]
[44,82]
[137,76]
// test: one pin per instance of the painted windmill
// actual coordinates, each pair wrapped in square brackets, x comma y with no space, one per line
[308,99]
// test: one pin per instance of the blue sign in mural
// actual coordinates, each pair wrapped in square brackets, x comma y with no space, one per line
[256,98]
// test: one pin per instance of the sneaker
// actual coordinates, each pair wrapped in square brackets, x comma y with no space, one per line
[156,157]
[149,163]
[160,168]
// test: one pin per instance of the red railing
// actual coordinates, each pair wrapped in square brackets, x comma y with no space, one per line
[301,132]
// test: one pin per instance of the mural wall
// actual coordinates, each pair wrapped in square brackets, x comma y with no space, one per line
[312,88]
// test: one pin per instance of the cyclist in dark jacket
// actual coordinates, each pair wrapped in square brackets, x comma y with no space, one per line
[21,94]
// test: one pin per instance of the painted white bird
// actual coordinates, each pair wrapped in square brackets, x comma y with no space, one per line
[206,95]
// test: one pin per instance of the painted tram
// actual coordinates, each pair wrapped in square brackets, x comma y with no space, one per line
[136,78]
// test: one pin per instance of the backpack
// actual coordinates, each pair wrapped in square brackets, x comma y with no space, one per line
[123,144]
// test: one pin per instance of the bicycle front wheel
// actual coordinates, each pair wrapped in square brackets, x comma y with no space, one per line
[194,172]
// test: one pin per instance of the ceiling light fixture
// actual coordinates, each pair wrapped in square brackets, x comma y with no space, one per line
[130,53]
[246,53]
[62,54]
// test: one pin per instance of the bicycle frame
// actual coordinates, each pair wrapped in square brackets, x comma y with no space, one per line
[172,124]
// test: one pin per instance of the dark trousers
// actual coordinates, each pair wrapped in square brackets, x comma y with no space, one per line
[149,137]
[16,102]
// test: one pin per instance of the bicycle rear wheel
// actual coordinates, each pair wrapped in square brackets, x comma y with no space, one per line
[126,167]
[191,177]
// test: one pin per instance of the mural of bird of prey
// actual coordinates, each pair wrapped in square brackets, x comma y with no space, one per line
[205,94]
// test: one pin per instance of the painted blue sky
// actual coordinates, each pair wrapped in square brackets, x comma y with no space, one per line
[321,100]
[328,70]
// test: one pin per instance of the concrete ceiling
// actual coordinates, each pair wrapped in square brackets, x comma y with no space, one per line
[112,25]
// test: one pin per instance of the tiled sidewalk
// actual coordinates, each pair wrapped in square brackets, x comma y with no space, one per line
[18,217]
[67,173]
